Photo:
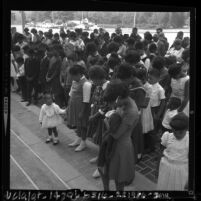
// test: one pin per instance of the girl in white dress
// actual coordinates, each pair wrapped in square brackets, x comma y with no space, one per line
[49,118]
[173,169]
[180,86]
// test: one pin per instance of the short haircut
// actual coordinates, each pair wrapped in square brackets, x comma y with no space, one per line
[177,42]
[56,35]
[154,72]
[113,47]
[185,54]
[159,29]
[148,36]
[124,71]
[170,60]
[76,70]
[72,34]
[26,29]
[180,122]
[175,102]
[142,74]
[152,48]
[174,70]
[130,41]
[20,60]
[33,31]
[91,48]
[116,88]
[132,57]
[139,45]
[97,72]
[117,39]
[158,62]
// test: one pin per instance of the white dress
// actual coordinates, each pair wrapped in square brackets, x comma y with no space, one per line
[173,170]
[49,115]
[146,115]
[178,91]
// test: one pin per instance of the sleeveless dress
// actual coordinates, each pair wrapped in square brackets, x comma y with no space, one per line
[76,104]
[178,90]
[173,169]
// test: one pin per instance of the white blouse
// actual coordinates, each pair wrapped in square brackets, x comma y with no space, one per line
[158,94]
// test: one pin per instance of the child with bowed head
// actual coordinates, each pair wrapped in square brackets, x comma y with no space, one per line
[173,169]
[49,118]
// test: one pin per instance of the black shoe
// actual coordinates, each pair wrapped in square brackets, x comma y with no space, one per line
[29,103]
[139,159]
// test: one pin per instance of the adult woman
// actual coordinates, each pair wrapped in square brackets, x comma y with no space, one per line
[127,74]
[121,167]
[53,77]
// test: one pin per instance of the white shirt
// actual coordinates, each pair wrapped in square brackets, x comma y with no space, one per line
[158,94]
[87,92]
[176,150]
[86,89]
[176,53]
[167,118]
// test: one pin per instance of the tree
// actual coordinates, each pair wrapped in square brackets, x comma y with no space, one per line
[177,19]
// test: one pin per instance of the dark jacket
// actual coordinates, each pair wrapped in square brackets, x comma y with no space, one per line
[32,68]
[44,65]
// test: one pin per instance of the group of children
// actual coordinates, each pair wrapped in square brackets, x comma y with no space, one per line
[75,72]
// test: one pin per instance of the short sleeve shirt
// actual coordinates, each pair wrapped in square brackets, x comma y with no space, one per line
[158,94]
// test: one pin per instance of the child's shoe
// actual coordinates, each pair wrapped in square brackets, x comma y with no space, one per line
[49,139]
[81,147]
[55,141]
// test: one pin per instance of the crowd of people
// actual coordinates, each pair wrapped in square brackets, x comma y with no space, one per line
[124,92]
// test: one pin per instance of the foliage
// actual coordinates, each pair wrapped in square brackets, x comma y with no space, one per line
[125,19]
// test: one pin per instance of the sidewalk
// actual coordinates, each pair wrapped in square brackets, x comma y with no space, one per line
[73,167]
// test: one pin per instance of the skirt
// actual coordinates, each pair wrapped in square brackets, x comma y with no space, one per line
[147,120]
[100,130]
[173,176]
[137,139]
[93,125]
[122,164]
[50,122]
[74,108]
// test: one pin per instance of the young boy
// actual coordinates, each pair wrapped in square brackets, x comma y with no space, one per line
[157,102]
[32,69]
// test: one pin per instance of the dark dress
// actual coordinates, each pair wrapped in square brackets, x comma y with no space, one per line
[107,146]
[122,163]
[76,105]
[96,128]
[138,94]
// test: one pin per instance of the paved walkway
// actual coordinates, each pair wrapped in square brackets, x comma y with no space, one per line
[74,168]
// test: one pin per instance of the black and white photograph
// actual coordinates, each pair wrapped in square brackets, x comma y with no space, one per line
[99,100]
